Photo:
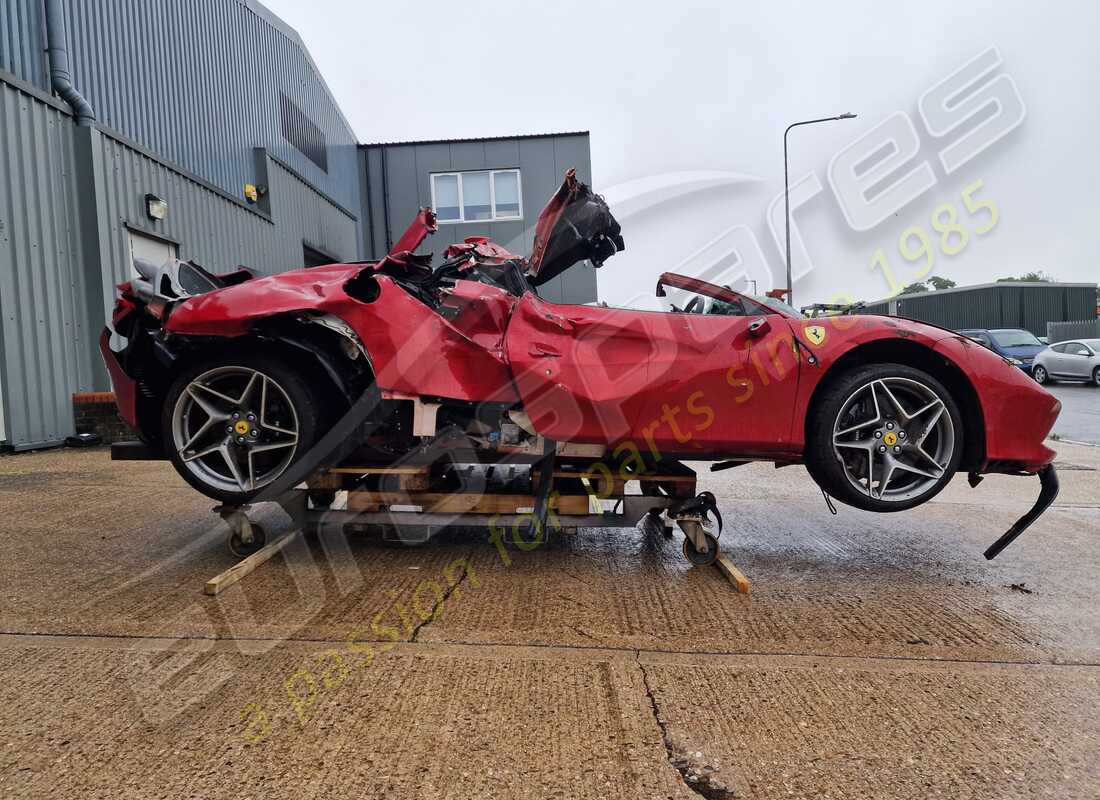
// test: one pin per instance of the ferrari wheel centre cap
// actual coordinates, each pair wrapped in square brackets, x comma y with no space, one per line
[241,427]
[890,439]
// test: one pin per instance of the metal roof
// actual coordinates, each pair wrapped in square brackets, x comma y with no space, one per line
[277,22]
[995,284]
[476,139]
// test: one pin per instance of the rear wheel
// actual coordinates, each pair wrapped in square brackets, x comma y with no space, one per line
[1039,373]
[884,438]
[233,425]
[1096,377]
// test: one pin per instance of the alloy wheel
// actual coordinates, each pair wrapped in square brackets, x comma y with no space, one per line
[235,429]
[894,438]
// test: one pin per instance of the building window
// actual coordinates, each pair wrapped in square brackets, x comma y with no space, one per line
[483,196]
[299,130]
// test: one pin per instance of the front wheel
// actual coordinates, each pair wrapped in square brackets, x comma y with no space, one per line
[1039,373]
[1096,377]
[885,437]
[233,425]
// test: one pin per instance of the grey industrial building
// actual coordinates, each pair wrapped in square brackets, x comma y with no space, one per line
[1005,304]
[201,129]
[401,177]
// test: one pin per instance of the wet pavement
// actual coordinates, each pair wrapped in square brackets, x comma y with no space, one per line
[1079,419]
[878,656]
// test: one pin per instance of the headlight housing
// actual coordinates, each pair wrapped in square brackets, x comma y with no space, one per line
[1014,361]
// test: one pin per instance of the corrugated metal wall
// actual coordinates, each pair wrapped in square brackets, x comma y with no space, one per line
[185,91]
[542,162]
[302,215]
[44,339]
[1008,305]
[1064,331]
[23,41]
[210,228]
[876,308]
[46,347]
[196,81]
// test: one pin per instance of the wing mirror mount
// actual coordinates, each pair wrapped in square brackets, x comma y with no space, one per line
[758,327]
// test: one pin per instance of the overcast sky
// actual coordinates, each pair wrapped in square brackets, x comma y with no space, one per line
[666,87]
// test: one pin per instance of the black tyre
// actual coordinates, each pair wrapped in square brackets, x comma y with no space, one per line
[233,424]
[885,437]
[1096,377]
[1040,374]
[698,559]
[237,546]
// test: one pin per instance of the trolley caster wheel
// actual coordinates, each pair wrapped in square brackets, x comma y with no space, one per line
[698,559]
[241,549]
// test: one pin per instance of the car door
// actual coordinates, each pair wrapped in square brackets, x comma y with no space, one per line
[720,384]
[582,372]
[1051,359]
[668,382]
[1077,360]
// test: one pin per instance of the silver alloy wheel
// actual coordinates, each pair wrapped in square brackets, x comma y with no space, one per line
[894,438]
[1039,373]
[235,429]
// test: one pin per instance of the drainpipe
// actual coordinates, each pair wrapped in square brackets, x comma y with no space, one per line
[370,204]
[386,200]
[60,77]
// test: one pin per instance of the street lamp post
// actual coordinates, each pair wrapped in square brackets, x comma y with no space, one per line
[787,194]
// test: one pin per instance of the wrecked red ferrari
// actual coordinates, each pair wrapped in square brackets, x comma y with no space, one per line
[249,382]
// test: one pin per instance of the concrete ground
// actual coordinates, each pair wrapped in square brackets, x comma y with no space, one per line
[878,656]
[1079,419]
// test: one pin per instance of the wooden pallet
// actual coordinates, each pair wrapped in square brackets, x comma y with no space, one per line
[408,478]
[675,479]
[411,486]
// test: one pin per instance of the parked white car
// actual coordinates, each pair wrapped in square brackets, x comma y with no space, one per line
[1075,360]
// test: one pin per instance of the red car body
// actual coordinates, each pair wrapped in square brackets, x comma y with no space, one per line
[600,375]
[646,384]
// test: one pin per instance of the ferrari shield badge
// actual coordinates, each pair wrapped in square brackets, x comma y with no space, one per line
[816,334]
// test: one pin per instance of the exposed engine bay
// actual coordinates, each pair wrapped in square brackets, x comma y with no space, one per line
[576,225]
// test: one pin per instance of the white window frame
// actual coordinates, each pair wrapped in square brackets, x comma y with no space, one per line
[492,195]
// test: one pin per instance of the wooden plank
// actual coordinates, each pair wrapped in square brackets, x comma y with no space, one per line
[733,574]
[247,565]
[326,481]
[414,483]
[409,479]
[367,470]
[463,503]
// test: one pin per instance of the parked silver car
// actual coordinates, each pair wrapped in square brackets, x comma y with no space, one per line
[1075,360]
